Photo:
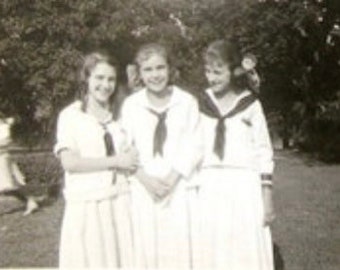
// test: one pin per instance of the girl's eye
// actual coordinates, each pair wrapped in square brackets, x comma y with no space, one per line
[210,70]
[160,67]
[215,72]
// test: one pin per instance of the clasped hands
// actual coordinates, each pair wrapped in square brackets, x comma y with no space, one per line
[159,188]
[128,159]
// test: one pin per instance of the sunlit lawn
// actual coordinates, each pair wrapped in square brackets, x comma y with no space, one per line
[307,232]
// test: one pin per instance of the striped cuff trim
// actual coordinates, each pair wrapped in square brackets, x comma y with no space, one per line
[266,177]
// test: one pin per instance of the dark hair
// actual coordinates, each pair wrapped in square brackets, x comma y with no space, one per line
[89,62]
[224,52]
[149,49]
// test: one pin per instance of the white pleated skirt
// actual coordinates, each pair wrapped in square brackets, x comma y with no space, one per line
[97,230]
[231,231]
[162,230]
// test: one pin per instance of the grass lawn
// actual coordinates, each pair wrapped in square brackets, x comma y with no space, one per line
[307,197]
[306,232]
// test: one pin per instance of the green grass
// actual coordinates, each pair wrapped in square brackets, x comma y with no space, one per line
[306,231]
[32,241]
[308,213]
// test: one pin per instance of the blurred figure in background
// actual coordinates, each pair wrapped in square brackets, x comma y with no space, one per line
[12,180]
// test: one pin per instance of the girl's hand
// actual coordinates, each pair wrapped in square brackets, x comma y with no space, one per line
[269,212]
[125,147]
[172,179]
[170,182]
[157,188]
[127,160]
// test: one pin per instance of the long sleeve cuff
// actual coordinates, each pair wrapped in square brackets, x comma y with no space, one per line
[266,179]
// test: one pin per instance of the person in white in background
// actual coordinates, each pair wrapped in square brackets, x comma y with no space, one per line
[94,152]
[236,174]
[133,81]
[12,180]
[162,121]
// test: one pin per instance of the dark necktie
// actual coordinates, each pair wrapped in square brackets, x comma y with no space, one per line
[160,132]
[221,128]
[109,145]
[220,137]
[108,140]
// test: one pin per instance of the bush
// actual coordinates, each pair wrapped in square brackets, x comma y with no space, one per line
[42,41]
[321,133]
[42,170]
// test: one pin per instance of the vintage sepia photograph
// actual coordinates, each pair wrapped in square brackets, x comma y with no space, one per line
[170,134]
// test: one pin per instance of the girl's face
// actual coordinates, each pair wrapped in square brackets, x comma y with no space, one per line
[218,75]
[101,82]
[154,72]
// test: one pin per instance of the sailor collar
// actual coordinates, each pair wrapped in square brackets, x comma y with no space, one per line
[208,104]
[175,99]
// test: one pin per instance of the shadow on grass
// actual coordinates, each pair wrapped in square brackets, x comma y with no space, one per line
[278,259]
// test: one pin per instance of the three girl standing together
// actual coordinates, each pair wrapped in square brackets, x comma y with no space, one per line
[168,186]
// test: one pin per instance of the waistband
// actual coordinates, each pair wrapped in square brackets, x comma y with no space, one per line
[95,194]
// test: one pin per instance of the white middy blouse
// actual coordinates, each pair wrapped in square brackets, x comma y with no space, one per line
[81,132]
[247,141]
[182,147]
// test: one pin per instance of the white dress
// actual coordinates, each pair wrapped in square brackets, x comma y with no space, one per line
[231,206]
[11,177]
[96,228]
[162,230]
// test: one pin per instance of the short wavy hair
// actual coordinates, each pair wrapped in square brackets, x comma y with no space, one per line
[225,52]
[149,49]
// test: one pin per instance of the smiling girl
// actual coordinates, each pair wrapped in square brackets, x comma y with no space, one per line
[162,120]
[236,187]
[92,147]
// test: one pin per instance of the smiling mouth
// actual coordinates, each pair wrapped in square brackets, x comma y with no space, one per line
[216,85]
[158,82]
[104,90]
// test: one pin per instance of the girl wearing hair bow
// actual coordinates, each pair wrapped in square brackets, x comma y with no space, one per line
[236,174]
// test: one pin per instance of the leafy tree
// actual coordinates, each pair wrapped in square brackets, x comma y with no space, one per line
[42,41]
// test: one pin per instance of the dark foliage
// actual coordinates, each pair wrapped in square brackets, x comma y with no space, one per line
[42,41]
